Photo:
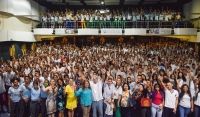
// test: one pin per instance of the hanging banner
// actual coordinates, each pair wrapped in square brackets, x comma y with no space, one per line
[160,31]
[111,31]
[64,31]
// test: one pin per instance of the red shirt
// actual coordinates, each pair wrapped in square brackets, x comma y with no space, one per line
[157,99]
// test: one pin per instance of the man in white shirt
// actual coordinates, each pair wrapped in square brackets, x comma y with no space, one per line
[109,92]
[122,73]
[97,103]
[171,100]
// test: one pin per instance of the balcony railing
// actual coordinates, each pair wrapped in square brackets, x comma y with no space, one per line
[116,24]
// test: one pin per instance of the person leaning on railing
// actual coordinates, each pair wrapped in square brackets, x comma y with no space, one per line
[83,21]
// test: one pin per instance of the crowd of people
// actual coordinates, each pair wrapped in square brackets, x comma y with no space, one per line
[118,18]
[140,80]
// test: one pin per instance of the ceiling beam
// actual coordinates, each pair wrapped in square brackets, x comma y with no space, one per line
[83,2]
[121,2]
[141,1]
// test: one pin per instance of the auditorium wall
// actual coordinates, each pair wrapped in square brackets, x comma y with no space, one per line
[16,23]
[26,8]
[17,18]
[191,10]
[4,49]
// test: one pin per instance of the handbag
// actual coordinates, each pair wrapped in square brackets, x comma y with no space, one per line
[131,100]
[145,102]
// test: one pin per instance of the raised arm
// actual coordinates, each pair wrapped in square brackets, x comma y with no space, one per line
[178,85]
[162,84]
[78,93]
[42,88]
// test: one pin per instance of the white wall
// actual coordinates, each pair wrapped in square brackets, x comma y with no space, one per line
[190,8]
[28,8]
[9,22]
[198,37]
[16,36]
[135,31]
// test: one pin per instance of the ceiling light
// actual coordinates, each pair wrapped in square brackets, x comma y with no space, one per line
[102,2]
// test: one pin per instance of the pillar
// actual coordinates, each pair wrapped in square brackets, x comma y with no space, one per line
[196,47]
[151,38]
[74,40]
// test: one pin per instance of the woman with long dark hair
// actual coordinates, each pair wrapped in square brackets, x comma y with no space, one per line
[125,105]
[154,79]
[85,94]
[61,97]
[157,101]
[181,79]
[172,79]
[117,97]
[139,94]
[186,102]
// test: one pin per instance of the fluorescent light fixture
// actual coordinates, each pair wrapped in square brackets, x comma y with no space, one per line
[102,2]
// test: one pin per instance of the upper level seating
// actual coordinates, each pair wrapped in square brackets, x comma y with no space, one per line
[119,18]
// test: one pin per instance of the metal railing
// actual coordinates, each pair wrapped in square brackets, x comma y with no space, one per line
[116,24]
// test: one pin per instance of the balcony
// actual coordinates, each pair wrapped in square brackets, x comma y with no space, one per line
[117,28]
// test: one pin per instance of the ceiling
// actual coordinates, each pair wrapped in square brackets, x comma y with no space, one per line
[110,2]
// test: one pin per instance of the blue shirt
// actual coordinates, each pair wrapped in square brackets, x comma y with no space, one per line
[26,93]
[85,96]
[43,94]
[35,94]
[14,94]
[132,84]
[134,18]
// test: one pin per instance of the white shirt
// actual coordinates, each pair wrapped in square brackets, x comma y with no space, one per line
[121,73]
[118,91]
[170,98]
[197,101]
[96,90]
[185,101]
[27,71]
[42,79]
[109,109]
[21,80]
[82,17]
[108,91]
[87,17]
[96,17]
[2,85]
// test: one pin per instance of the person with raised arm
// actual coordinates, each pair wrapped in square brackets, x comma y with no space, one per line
[85,94]
[71,98]
[51,98]
[97,102]
[171,99]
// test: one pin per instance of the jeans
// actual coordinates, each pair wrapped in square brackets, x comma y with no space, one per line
[155,110]
[34,108]
[14,107]
[43,107]
[183,111]
[196,110]
[108,115]
[24,108]
[97,106]
[126,111]
[168,112]
[104,109]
